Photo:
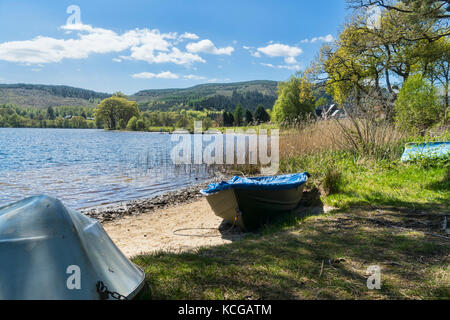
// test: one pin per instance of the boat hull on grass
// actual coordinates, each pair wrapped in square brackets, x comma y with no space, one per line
[253,202]
[50,252]
[430,150]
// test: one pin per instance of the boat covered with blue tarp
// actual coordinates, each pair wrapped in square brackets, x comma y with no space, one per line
[252,202]
[428,150]
[51,252]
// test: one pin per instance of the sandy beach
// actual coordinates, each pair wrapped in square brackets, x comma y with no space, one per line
[175,221]
[157,230]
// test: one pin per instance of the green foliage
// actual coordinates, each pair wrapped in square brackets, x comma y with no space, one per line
[286,260]
[14,116]
[322,101]
[132,123]
[213,96]
[51,113]
[122,124]
[114,109]
[261,115]
[44,96]
[227,118]
[238,115]
[248,116]
[289,106]
[140,125]
[332,181]
[183,122]
[409,39]
[417,107]
[78,122]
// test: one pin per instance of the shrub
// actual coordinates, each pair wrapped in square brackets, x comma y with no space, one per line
[293,101]
[132,123]
[332,181]
[140,125]
[368,129]
[417,106]
[261,115]
[122,124]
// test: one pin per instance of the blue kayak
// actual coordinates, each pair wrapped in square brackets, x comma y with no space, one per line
[428,150]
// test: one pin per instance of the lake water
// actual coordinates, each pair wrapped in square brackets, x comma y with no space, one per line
[86,168]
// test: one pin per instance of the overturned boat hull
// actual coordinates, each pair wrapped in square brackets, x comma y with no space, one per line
[50,252]
[429,150]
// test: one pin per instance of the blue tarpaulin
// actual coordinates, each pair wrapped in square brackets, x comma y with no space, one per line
[429,150]
[281,182]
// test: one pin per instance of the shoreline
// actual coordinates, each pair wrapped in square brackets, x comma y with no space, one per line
[115,211]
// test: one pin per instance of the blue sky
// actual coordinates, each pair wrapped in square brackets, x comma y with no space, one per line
[133,45]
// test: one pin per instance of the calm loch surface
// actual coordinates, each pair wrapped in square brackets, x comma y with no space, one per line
[86,168]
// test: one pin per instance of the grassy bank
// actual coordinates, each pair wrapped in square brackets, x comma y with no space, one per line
[387,214]
[221,129]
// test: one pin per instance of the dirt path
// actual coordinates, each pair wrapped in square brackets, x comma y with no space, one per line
[154,231]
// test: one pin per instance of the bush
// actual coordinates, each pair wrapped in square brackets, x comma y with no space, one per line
[331,181]
[140,125]
[122,124]
[132,123]
[417,107]
[290,104]
[261,115]
[368,129]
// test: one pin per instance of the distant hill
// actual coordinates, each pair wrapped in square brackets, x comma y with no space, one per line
[219,96]
[211,96]
[43,96]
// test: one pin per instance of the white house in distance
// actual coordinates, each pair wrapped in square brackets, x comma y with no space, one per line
[327,112]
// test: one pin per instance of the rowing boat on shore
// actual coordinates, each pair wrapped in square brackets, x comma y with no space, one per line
[429,150]
[54,253]
[252,202]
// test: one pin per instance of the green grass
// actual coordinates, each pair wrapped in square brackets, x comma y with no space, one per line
[377,183]
[288,265]
[399,185]
[386,214]
[265,126]
[160,129]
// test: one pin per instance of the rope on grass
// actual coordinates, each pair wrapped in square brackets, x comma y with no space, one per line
[205,235]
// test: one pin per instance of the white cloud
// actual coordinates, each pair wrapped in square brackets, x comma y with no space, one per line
[207,46]
[190,36]
[146,53]
[215,80]
[327,38]
[287,67]
[254,53]
[290,60]
[150,75]
[280,50]
[194,77]
[144,45]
